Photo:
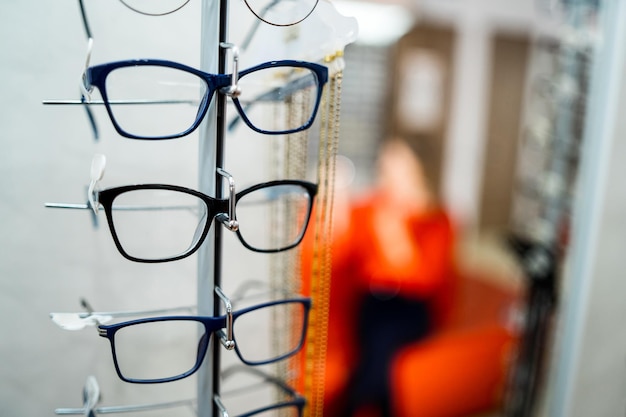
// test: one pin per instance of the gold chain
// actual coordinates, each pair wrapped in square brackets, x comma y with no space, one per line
[317,336]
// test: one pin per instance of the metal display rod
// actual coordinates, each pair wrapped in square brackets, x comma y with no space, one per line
[213,32]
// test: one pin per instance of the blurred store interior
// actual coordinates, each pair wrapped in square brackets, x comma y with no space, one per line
[507,104]
[513,109]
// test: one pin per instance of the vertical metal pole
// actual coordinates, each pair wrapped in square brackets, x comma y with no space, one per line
[214,15]
[220,101]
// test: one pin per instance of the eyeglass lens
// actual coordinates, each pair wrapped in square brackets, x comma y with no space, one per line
[154,224]
[278,99]
[157,224]
[172,99]
[273,218]
[159,349]
[152,101]
[165,349]
[257,343]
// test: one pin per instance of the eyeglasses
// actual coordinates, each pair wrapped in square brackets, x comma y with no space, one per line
[241,383]
[160,223]
[291,403]
[157,99]
[169,348]
[273,12]
[140,116]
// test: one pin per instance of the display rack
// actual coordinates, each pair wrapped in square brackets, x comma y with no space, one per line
[547,176]
[215,51]
[211,153]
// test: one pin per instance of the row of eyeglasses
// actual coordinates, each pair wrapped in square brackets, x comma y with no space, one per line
[254,382]
[157,99]
[141,347]
[158,348]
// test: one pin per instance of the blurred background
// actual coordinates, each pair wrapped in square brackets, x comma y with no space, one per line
[513,109]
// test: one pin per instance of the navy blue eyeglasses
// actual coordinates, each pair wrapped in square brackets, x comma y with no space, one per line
[287,401]
[157,99]
[169,348]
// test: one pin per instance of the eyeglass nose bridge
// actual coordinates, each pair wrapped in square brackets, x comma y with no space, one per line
[233,89]
[229,219]
[226,339]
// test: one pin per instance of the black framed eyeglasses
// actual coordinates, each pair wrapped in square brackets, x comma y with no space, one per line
[160,223]
[169,348]
[158,99]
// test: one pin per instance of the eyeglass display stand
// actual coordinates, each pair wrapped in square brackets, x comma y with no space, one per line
[213,31]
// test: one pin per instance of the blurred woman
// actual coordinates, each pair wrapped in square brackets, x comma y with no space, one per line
[398,265]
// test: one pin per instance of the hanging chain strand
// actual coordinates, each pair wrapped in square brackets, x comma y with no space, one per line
[294,158]
[315,355]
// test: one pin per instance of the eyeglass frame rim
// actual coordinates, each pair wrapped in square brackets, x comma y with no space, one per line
[218,323]
[256,15]
[297,400]
[95,76]
[262,19]
[105,198]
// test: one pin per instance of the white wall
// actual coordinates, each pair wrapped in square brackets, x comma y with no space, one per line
[50,258]
[475,23]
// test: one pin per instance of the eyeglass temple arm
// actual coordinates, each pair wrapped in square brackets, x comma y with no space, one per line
[89,311]
[229,220]
[226,339]
[91,118]
[83,15]
[233,90]
[114,409]
[85,97]
[90,317]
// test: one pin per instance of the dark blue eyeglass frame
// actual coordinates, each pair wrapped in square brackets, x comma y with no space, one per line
[298,402]
[211,325]
[215,207]
[95,76]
